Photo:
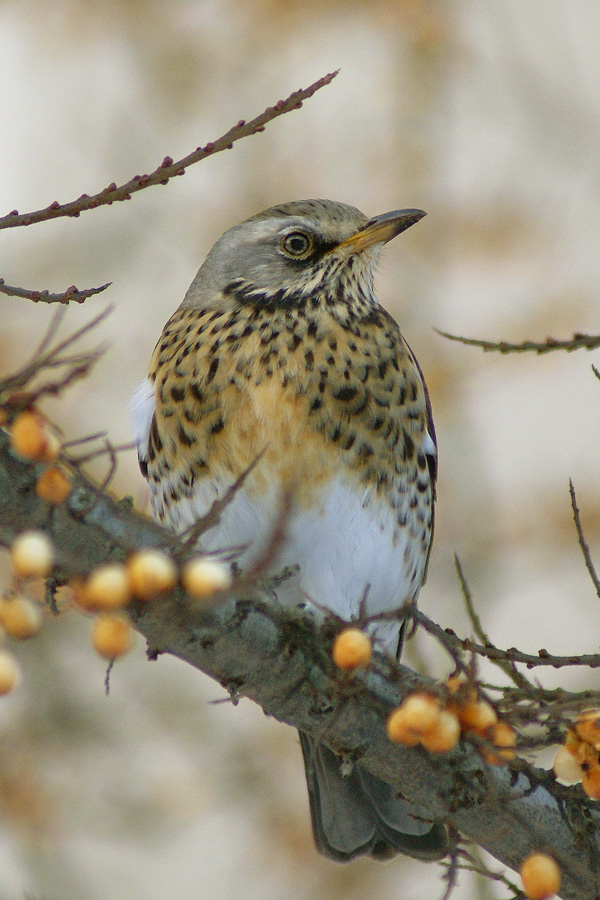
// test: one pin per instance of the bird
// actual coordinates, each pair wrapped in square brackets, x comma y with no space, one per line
[282,374]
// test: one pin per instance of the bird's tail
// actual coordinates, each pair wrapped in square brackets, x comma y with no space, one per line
[358,814]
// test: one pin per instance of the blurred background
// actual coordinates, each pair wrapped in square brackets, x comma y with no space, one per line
[487,115]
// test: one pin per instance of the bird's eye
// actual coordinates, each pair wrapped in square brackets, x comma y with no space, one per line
[297,244]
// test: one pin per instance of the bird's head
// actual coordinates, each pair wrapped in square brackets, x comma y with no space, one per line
[288,252]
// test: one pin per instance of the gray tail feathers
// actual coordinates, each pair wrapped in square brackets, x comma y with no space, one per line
[357,814]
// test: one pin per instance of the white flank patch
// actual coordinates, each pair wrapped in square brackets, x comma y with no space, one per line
[141,409]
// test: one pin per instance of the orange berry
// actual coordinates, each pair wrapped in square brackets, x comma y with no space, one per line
[150,572]
[10,673]
[590,781]
[503,737]
[398,730]
[53,486]
[204,577]
[540,876]
[111,636]
[107,588]
[587,727]
[419,713]
[572,742]
[443,736]
[28,435]
[476,716]
[32,555]
[566,767]
[20,617]
[351,648]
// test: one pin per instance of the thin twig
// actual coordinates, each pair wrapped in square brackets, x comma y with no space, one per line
[452,642]
[71,295]
[213,516]
[582,542]
[577,342]
[167,169]
[507,667]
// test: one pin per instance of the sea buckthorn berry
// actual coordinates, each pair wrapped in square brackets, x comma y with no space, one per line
[540,876]
[587,727]
[10,673]
[504,739]
[112,636]
[417,714]
[204,577]
[351,649]
[444,735]
[572,742]
[476,716]
[567,767]
[20,617]
[53,486]
[32,555]
[29,435]
[398,730]
[106,588]
[150,572]
[590,781]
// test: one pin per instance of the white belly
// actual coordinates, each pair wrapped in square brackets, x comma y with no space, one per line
[350,556]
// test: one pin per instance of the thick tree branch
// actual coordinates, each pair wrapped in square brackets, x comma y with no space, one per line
[280,660]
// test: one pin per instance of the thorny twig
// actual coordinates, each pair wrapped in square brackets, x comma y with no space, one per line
[168,168]
[577,342]
[582,541]
[71,295]
[12,387]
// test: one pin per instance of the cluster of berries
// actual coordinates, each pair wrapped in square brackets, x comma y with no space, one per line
[426,719]
[578,760]
[423,719]
[105,593]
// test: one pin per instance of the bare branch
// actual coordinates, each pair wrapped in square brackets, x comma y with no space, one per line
[577,342]
[167,169]
[12,388]
[582,542]
[71,295]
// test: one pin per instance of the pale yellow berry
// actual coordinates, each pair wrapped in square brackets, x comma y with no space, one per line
[107,588]
[32,555]
[10,673]
[351,649]
[444,735]
[540,876]
[150,573]
[566,767]
[112,636]
[53,486]
[504,739]
[20,617]
[203,577]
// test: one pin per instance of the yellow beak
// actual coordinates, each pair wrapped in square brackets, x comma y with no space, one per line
[382,229]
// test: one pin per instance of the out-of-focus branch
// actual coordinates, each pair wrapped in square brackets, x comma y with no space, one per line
[71,295]
[577,342]
[168,168]
[281,660]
